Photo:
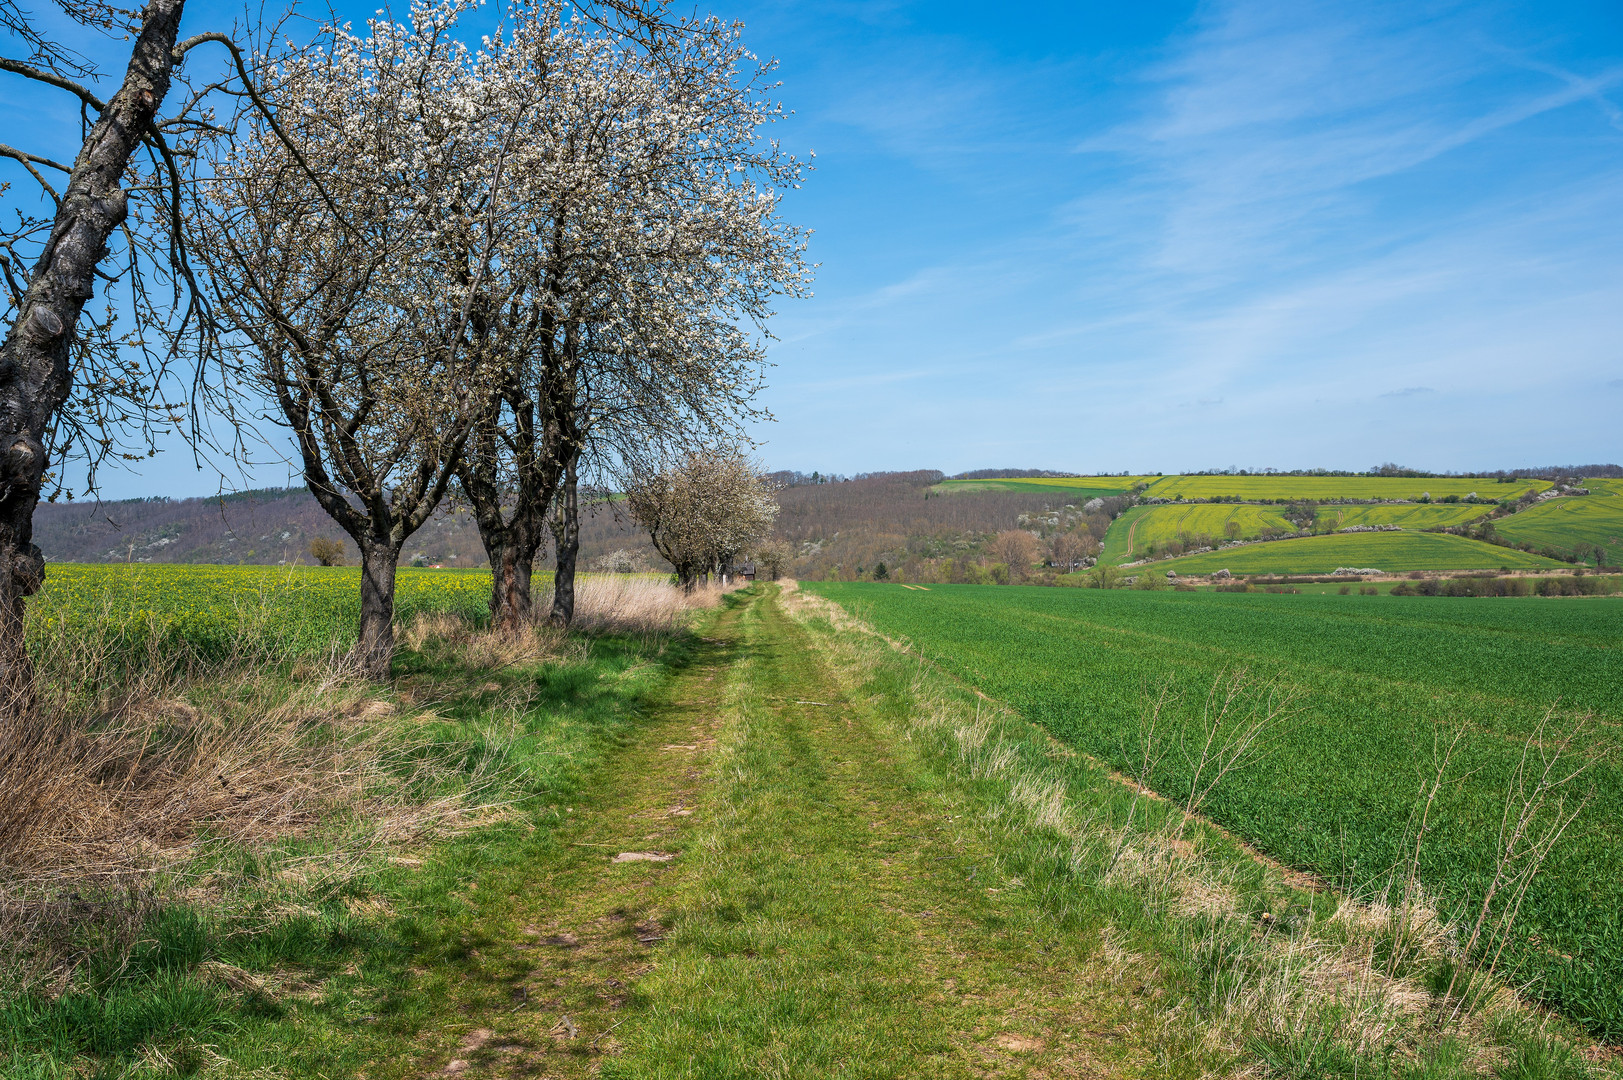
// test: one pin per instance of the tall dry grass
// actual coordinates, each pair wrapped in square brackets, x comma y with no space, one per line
[639,604]
[140,764]
[635,604]
[135,766]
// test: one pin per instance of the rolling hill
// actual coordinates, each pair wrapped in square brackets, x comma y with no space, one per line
[1387,551]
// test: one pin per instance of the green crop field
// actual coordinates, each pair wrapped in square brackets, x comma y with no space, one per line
[206,606]
[1152,523]
[1379,679]
[1146,525]
[1074,489]
[1122,534]
[1609,485]
[1422,516]
[1334,487]
[1563,523]
[1389,551]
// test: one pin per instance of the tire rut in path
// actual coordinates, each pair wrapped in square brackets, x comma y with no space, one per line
[832,907]
[844,914]
[585,921]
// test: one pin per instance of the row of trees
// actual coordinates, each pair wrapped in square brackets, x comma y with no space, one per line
[497,275]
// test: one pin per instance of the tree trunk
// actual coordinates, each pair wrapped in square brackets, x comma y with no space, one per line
[35,374]
[512,520]
[566,540]
[375,648]
[511,565]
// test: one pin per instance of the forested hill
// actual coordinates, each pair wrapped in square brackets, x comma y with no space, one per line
[844,523]
[271,526]
[859,522]
[265,527]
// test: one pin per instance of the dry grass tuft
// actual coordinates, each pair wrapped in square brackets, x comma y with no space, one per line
[117,788]
[638,604]
[99,795]
[490,648]
[604,604]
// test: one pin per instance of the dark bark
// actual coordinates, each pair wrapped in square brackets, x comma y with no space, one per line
[511,568]
[686,571]
[566,542]
[328,426]
[528,427]
[375,648]
[380,529]
[380,526]
[512,534]
[35,373]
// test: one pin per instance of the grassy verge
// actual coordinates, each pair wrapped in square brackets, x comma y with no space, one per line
[297,911]
[1258,971]
[1380,681]
[840,912]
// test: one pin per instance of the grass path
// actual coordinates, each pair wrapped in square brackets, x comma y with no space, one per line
[827,910]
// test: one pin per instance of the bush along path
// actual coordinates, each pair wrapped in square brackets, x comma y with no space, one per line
[819,858]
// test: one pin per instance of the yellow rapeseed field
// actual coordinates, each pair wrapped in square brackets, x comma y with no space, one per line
[211,607]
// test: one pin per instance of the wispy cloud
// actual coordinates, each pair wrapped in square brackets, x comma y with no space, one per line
[1298,203]
[1270,122]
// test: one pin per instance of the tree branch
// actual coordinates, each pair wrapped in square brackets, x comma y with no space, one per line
[179,53]
[27,71]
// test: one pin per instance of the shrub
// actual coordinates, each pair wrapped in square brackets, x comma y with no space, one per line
[327,551]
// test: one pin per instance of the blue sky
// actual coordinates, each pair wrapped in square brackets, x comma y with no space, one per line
[1180,236]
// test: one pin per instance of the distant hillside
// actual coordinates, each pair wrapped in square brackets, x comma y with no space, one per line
[903,519]
[270,527]
[915,522]
[926,527]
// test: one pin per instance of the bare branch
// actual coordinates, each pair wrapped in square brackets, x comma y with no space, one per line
[50,78]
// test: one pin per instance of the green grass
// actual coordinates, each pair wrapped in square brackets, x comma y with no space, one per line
[1562,524]
[1379,678]
[1389,551]
[876,877]
[839,911]
[1115,547]
[1334,487]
